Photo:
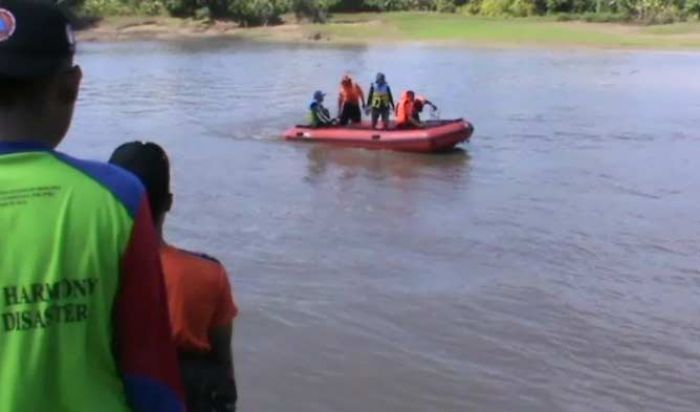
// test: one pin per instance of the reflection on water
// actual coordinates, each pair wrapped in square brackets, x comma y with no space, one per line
[452,166]
[550,265]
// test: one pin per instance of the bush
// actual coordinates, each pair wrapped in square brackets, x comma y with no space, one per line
[257,12]
[521,8]
[494,8]
[351,6]
[667,15]
[603,17]
[314,10]
[692,8]
[182,8]
[446,6]
[473,7]
[390,5]
[105,8]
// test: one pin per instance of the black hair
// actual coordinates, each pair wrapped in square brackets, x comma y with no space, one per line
[149,162]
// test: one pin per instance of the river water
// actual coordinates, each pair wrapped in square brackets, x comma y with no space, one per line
[550,265]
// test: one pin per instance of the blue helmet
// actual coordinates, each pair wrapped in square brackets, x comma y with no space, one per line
[381,78]
[318,95]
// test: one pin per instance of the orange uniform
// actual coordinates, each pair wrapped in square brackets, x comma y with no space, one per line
[404,110]
[352,93]
[199,297]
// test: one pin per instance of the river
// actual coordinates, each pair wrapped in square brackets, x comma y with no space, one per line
[550,265]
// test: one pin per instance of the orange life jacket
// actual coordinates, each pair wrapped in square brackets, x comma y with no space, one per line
[352,94]
[404,110]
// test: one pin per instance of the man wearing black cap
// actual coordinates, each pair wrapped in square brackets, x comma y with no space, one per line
[201,304]
[83,316]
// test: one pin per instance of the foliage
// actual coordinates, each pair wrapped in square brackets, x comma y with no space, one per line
[257,12]
[446,6]
[511,8]
[261,12]
[390,5]
[314,10]
[121,7]
[692,7]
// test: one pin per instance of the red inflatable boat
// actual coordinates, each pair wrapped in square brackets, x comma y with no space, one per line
[437,136]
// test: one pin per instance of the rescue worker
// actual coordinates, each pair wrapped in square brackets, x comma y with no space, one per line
[202,308]
[85,323]
[380,100]
[319,116]
[351,101]
[418,104]
[405,111]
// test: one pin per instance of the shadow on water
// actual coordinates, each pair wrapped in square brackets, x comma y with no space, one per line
[452,166]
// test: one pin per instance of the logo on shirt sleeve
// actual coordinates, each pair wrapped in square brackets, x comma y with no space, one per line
[7,24]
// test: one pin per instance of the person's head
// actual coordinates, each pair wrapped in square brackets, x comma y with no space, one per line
[149,162]
[38,81]
[346,81]
[381,79]
[410,95]
[318,96]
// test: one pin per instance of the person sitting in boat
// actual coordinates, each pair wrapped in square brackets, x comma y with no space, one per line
[405,112]
[350,98]
[319,116]
[418,104]
[381,100]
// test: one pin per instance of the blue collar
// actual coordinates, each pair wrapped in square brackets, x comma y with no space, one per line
[26,146]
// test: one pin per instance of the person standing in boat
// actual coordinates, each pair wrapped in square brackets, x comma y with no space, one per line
[350,98]
[319,116]
[201,304]
[406,112]
[380,100]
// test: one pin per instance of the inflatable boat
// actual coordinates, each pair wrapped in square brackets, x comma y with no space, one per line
[436,136]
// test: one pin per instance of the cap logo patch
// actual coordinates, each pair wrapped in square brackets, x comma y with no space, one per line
[7,24]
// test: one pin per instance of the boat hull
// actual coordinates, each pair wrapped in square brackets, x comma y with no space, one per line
[437,136]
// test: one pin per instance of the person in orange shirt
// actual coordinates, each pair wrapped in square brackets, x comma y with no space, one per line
[350,98]
[200,301]
[405,111]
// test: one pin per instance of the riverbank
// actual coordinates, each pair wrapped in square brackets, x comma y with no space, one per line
[429,28]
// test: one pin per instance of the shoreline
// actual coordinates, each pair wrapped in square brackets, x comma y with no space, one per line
[425,29]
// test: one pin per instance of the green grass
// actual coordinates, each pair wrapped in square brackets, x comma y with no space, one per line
[432,27]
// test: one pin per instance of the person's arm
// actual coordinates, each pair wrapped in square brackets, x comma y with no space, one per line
[431,104]
[370,95]
[221,331]
[391,98]
[340,104]
[323,114]
[361,93]
[144,345]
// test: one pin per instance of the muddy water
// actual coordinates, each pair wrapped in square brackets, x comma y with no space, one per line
[551,265]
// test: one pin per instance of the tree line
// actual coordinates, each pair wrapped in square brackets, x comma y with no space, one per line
[266,12]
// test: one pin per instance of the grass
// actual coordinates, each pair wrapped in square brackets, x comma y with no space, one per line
[449,28]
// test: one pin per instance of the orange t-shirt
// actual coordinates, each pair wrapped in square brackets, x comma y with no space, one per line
[352,94]
[199,297]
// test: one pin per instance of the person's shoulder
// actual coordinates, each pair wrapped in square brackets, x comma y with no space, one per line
[122,184]
[193,257]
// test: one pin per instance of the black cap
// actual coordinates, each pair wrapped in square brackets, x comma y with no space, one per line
[35,38]
[149,162]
